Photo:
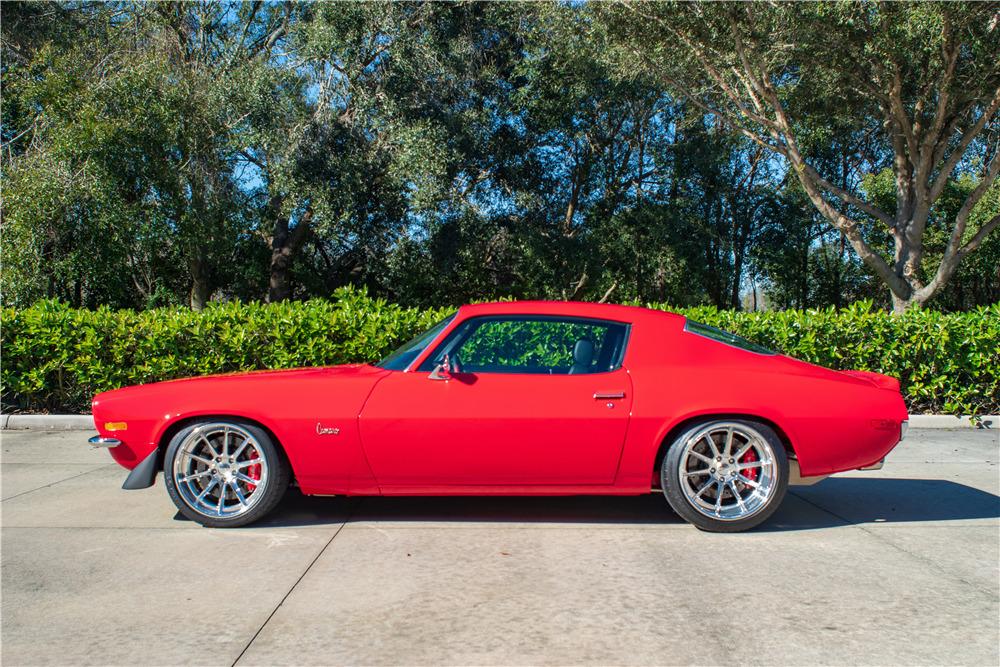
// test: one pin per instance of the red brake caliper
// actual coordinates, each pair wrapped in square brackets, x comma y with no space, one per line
[253,472]
[750,473]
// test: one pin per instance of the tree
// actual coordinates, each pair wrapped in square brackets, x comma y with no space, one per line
[922,78]
[169,153]
[81,210]
[127,167]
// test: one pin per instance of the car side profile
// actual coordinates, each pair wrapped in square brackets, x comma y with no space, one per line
[516,398]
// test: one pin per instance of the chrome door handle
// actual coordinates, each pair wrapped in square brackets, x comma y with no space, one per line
[605,395]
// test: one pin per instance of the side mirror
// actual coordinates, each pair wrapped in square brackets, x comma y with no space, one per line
[442,371]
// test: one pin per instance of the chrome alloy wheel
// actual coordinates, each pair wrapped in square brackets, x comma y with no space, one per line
[728,471]
[219,470]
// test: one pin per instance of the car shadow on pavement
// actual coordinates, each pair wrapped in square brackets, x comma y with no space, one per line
[855,500]
[837,501]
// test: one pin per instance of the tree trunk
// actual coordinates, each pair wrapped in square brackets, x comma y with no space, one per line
[285,245]
[901,305]
[734,295]
[201,283]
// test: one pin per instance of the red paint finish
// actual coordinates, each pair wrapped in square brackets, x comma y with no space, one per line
[399,432]
[482,429]
[290,404]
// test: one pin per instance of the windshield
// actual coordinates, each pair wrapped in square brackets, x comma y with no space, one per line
[724,337]
[404,355]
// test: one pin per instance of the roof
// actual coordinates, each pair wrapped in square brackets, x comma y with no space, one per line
[566,308]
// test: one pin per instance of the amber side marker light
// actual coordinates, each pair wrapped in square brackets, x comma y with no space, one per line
[115,426]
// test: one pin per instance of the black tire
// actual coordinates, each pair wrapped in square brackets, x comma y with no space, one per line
[684,504]
[274,485]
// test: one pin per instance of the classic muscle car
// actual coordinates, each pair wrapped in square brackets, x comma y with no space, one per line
[520,398]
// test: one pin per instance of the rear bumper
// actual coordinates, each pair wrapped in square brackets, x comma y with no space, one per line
[875,466]
[903,427]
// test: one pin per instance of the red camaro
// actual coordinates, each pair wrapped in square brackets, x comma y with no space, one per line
[529,398]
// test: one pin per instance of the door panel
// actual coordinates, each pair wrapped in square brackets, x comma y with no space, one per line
[496,429]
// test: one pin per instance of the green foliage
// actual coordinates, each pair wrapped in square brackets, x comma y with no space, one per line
[531,346]
[57,357]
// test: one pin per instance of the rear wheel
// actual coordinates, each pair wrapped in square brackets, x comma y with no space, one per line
[725,476]
[224,473]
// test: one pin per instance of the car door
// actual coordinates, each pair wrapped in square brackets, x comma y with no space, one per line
[523,407]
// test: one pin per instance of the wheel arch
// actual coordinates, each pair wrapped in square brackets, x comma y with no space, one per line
[676,429]
[175,426]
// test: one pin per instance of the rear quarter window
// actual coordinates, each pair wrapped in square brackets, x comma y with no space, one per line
[721,336]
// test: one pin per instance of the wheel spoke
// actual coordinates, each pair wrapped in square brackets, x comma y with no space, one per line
[751,464]
[248,480]
[188,478]
[211,447]
[700,457]
[729,443]
[718,498]
[225,442]
[711,443]
[704,487]
[197,458]
[743,450]
[695,473]
[222,498]
[736,494]
[208,487]
[246,464]
[749,482]
[239,494]
[239,450]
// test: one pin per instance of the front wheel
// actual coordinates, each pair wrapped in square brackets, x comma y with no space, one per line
[725,476]
[224,474]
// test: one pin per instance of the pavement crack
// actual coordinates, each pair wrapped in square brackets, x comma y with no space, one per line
[23,493]
[302,576]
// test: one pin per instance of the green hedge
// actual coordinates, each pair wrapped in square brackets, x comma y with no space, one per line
[54,358]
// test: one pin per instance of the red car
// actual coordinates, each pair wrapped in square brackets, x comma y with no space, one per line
[523,398]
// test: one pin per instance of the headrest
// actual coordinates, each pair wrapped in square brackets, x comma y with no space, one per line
[583,352]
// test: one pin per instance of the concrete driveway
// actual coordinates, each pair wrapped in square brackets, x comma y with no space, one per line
[892,567]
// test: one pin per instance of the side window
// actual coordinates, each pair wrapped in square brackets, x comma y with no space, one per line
[539,345]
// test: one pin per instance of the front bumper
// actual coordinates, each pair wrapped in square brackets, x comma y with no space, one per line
[98,441]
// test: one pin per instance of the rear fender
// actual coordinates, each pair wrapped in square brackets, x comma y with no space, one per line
[672,429]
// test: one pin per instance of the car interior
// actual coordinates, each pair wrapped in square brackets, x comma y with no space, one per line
[533,345]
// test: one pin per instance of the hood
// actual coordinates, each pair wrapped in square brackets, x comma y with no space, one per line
[345,370]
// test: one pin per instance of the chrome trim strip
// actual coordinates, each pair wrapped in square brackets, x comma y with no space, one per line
[602,395]
[98,441]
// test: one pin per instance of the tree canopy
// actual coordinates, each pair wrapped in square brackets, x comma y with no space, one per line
[740,155]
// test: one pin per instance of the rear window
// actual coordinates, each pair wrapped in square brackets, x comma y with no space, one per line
[724,337]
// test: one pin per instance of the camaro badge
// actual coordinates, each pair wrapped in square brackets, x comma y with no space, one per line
[325,430]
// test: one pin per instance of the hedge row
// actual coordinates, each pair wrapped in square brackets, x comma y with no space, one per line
[54,358]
